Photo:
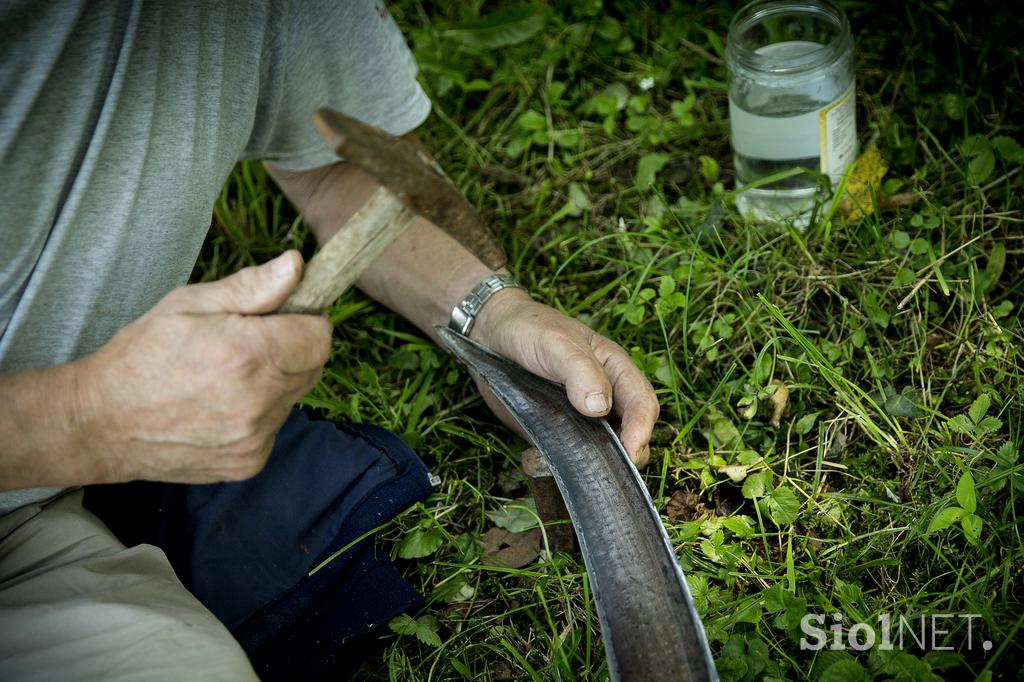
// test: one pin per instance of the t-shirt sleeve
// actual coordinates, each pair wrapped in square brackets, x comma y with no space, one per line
[348,55]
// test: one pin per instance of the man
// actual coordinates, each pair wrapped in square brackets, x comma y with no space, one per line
[119,122]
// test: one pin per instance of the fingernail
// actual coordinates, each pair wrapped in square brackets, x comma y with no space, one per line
[643,454]
[597,402]
[283,266]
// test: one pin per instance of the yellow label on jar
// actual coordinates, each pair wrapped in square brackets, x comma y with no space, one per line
[837,128]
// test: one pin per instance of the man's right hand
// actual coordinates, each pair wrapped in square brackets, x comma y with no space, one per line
[195,390]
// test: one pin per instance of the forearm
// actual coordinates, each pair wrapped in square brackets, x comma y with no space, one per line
[41,431]
[422,275]
[425,272]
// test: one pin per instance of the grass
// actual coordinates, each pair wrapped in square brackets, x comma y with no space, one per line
[898,337]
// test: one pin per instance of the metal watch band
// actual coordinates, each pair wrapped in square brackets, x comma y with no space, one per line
[464,314]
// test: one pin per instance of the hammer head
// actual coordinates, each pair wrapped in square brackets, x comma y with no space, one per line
[405,168]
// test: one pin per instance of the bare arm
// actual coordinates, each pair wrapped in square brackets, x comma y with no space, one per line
[424,273]
[41,430]
[193,391]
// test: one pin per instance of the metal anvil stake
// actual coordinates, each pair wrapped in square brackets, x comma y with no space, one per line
[548,500]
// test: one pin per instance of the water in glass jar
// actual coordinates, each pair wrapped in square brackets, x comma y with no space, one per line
[807,124]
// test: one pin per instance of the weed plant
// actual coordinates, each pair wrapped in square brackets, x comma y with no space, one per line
[593,137]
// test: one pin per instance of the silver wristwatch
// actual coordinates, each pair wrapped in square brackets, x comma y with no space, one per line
[464,314]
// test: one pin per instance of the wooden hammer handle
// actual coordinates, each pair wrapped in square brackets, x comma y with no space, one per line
[337,265]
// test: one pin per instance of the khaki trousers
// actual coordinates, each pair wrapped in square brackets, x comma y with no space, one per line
[76,604]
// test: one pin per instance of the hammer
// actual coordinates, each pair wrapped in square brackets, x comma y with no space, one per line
[412,184]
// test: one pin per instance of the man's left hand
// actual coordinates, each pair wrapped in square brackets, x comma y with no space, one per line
[599,376]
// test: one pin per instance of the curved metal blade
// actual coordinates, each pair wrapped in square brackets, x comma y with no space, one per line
[409,172]
[649,624]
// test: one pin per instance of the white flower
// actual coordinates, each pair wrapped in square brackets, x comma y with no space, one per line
[646,83]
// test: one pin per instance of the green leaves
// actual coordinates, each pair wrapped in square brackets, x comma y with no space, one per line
[971,523]
[503,27]
[740,525]
[1005,468]
[980,159]
[902,404]
[980,154]
[454,591]
[788,607]
[847,670]
[746,657]
[989,277]
[1009,149]
[966,494]
[905,667]
[647,168]
[954,106]
[988,425]
[961,423]
[755,486]
[578,199]
[980,167]
[533,129]
[975,422]
[709,168]
[669,300]
[805,423]
[725,434]
[607,104]
[681,109]
[781,502]
[673,279]
[420,542]
[666,300]
[612,33]
[945,518]
[516,517]
[424,628]
[980,407]
[532,120]
[783,505]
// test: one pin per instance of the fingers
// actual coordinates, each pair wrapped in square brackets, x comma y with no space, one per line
[601,375]
[573,362]
[295,344]
[638,421]
[598,374]
[251,291]
[635,401]
[302,383]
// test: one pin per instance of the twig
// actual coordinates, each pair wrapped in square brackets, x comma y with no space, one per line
[701,51]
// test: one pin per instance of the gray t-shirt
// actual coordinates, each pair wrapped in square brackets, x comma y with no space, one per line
[119,123]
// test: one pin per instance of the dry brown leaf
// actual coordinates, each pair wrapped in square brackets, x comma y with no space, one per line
[685,506]
[511,550]
[780,403]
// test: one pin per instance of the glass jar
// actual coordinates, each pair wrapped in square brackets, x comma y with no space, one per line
[792,107]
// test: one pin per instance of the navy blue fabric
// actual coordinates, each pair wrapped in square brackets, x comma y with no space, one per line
[317,630]
[245,549]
